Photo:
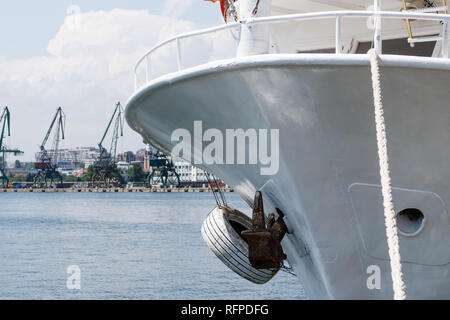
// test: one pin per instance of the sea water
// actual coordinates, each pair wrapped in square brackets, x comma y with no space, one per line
[123,246]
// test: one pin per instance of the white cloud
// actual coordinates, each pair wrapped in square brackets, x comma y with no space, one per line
[175,8]
[86,71]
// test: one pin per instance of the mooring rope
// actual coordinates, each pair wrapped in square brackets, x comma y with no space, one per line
[389,213]
[287,269]
[221,192]
[207,175]
[216,190]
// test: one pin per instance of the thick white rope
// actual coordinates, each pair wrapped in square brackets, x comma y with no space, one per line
[389,213]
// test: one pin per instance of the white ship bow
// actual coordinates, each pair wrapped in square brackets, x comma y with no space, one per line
[328,182]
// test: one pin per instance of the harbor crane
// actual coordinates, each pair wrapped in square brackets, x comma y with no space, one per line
[163,172]
[5,120]
[47,164]
[105,171]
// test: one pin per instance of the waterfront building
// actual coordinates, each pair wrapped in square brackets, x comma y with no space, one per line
[74,158]
[188,172]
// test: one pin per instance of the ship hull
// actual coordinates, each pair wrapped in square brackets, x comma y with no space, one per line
[328,179]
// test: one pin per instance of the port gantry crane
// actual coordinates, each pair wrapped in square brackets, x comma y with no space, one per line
[47,164]
[105,172]
[5,120]
[163,172]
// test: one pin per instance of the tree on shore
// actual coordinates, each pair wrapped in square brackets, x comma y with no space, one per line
[30,177]
[136,173]
[19,178]
[87,177]
[70,178]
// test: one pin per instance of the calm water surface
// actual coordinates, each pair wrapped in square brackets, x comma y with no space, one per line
[127,245]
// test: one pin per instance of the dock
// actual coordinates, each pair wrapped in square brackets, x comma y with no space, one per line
[111,190]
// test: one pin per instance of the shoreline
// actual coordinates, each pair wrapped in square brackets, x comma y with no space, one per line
[111,190]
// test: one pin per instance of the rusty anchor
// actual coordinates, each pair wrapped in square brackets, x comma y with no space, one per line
[265,251]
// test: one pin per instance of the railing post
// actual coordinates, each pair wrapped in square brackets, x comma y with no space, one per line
[377,35]
[338,34]
[148,71]
[179,57]
[255,39]
[445,49]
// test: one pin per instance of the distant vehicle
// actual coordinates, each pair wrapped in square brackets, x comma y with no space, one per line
[15,186]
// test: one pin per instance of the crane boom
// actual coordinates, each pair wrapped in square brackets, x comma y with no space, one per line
[118,126]
[6,117]
[105,171]
[61,127]
[46,165]
[5,121]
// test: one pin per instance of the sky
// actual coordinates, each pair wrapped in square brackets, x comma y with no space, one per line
[79,55]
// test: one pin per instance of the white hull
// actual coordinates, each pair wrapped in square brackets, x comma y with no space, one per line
[327,184]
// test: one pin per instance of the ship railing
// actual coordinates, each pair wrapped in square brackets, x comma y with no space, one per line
[146,59]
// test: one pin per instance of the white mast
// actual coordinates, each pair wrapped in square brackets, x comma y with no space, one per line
[254,39]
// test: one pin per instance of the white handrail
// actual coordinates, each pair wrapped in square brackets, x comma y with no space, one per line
[187,35]
[338,15]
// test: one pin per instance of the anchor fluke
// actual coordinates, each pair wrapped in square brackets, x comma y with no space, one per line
[264,241]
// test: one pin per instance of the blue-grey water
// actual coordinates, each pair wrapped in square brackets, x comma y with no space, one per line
[127,246]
